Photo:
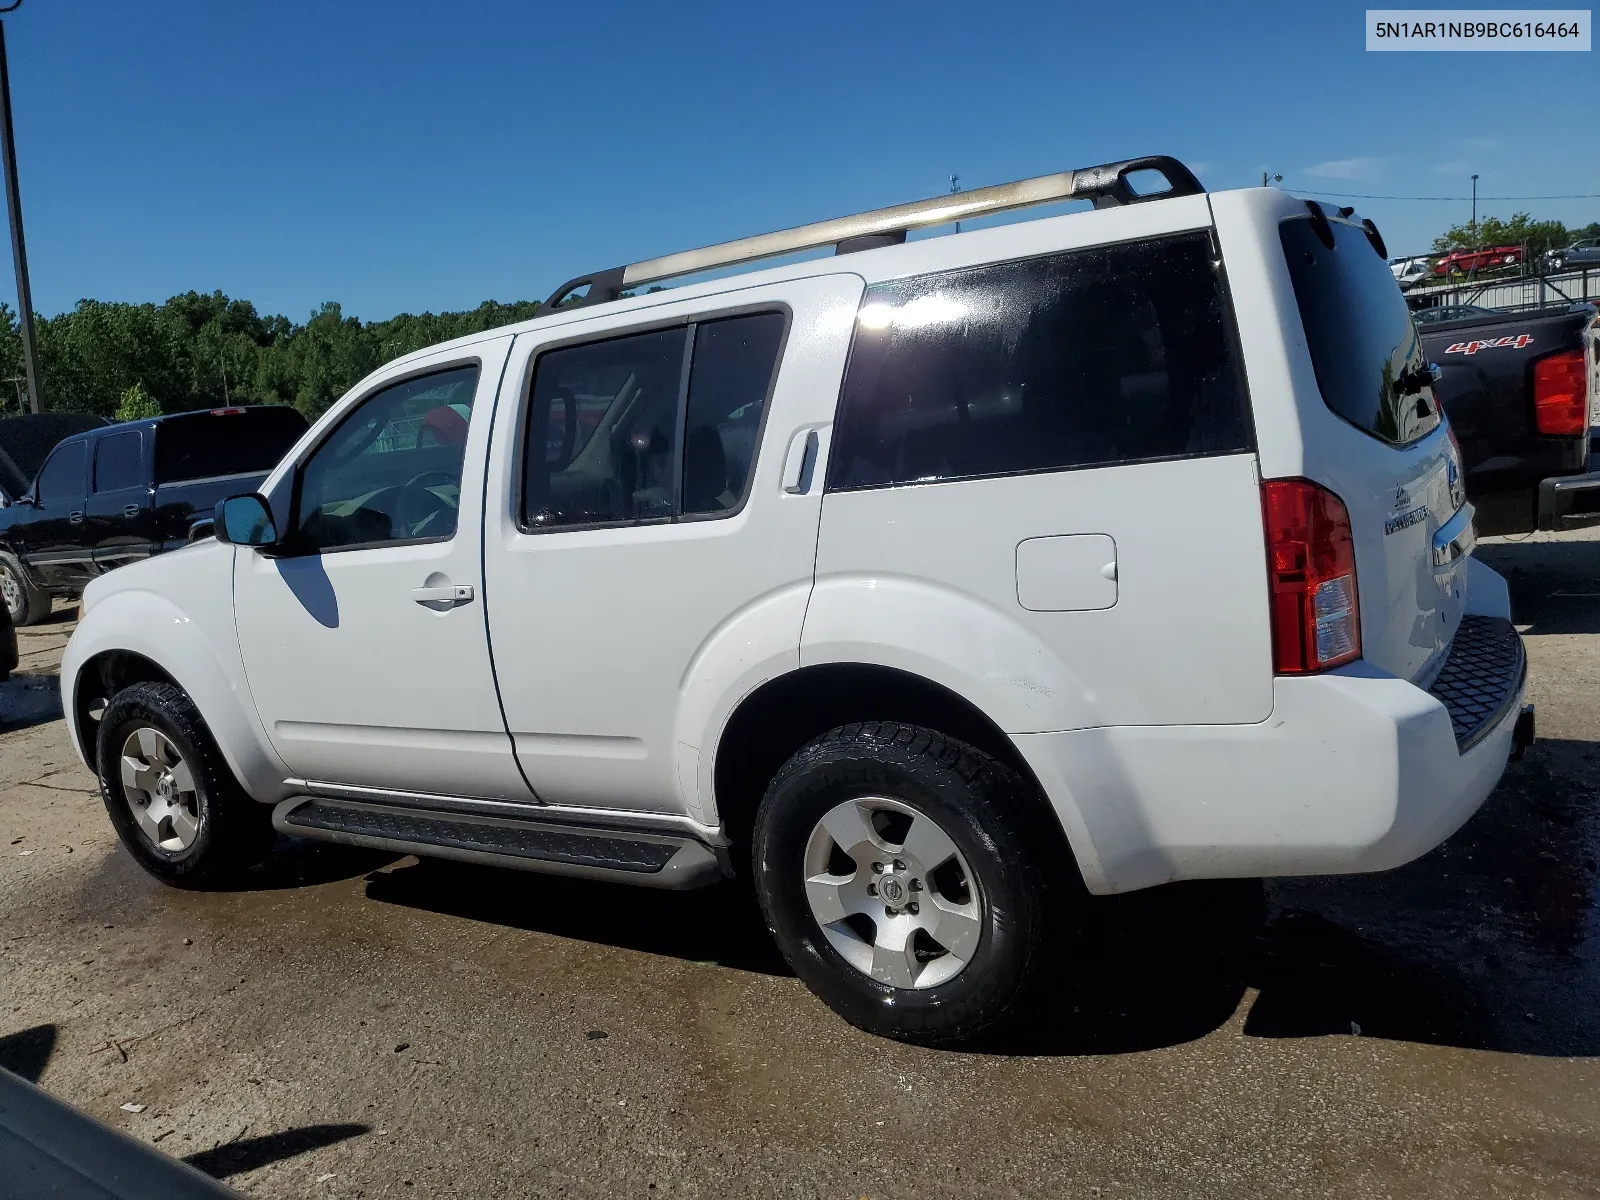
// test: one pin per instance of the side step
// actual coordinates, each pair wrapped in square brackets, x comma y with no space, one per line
[649,859]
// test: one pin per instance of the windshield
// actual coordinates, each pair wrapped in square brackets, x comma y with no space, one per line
[1364,346]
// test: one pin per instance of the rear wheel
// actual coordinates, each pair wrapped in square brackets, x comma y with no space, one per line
[904,876]
[27,604]
[170,794]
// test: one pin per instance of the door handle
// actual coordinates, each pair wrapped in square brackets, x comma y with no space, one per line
[449,593]
[801,461]
[130,510]
[75,518]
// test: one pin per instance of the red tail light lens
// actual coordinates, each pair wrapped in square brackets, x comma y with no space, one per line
[1311,576]
[1560,400]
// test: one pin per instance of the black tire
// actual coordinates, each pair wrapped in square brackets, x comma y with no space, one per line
[27,604]
[1013,849]
[233,831]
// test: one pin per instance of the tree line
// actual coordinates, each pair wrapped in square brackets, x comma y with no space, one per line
[204,351]
[1520,230]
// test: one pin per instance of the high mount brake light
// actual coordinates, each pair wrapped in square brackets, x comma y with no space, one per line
[1311,577]
[1560,400]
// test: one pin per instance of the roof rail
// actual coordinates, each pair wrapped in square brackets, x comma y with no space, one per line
[1106,185]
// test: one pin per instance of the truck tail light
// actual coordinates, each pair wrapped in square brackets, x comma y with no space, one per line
[1311,577]
[1560,400]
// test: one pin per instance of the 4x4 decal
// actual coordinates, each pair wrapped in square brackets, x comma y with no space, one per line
[1519,342]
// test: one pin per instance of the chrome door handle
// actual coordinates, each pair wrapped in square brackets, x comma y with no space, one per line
[130,510]
[450,593]
[75,518]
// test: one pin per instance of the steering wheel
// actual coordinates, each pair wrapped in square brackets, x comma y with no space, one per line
[414,494]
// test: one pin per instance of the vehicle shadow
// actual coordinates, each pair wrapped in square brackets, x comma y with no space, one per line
[721,924]
[235,1158]
[1481,944]
[1554,583]
[27,1052]
[27,699]
[295,862]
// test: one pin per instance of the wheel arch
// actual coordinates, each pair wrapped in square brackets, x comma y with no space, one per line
[786,712]
[137,636]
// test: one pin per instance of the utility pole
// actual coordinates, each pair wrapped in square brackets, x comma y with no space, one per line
[1474,208]
[955,186]
[19,250]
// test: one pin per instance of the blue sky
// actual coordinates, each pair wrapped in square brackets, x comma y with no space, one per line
[403,156]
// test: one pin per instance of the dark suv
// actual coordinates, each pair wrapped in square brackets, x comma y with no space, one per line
[116,493]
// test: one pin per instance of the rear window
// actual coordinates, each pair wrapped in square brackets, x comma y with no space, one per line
[203,445]
[1362,340]
[1117,354]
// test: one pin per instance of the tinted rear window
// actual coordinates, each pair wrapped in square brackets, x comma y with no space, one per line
[119,461]
[1360,333]
[200,445]
[1117,354]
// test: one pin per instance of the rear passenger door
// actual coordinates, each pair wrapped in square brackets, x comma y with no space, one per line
[662,516]
[119,517]
[1052,460]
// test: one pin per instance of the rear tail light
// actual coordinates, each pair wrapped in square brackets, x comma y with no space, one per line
[1311,574]
[1560,400]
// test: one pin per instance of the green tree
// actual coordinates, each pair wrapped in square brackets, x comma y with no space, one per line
[12,388]
[1520,230]
[202,350]
[137,404]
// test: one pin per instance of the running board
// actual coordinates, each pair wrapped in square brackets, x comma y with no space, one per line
[646,859]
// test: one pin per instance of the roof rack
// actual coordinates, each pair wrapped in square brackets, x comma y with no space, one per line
[1106,185]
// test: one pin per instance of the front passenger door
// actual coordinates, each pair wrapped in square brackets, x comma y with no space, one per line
[363,632]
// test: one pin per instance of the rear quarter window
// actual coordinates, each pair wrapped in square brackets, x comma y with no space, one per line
[1117,354]
[1362,339]
[206,444]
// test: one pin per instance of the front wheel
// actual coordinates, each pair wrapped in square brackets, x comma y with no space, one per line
[903,875]
[27,604]
[170,794]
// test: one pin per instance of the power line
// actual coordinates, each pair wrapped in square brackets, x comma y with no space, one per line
[1365,196]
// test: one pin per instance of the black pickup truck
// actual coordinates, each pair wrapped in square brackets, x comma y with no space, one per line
[116,493]
[1519,389]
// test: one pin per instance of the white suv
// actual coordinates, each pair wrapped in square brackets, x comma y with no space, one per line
[933,585]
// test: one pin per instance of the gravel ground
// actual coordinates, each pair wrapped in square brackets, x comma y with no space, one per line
[349,1024]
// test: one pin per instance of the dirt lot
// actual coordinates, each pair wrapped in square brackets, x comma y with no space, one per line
[348,1024]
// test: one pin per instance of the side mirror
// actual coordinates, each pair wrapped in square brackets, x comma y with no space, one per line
[245,521]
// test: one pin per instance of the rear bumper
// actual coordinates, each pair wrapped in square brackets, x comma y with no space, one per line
[1355,771]
[1570,501]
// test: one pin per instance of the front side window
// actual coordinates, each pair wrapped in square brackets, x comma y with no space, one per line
[1117,354]
[391,471]
[65,476]
[650,426]
[119,462]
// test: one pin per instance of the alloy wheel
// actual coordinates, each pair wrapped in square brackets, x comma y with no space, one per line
[160,791]
[892,893]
